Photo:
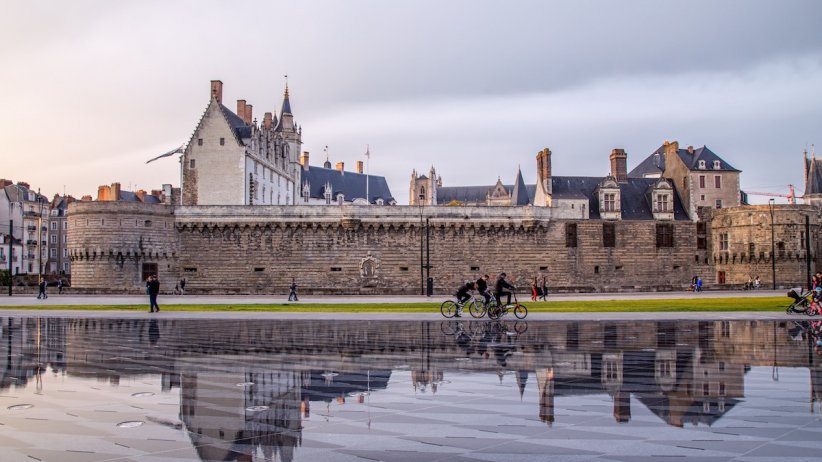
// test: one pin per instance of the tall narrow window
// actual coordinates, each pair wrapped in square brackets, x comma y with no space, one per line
[723,242]
[661,202]
[664,235]
[570,235]
[609,235]
[222,141]
[702,181]
[718,181]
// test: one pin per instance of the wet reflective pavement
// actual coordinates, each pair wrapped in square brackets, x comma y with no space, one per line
[305,390]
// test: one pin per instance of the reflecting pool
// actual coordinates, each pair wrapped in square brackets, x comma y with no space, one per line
[234,390]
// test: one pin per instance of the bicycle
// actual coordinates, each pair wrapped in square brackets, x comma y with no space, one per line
[478,307]
[520,311]
[450,308]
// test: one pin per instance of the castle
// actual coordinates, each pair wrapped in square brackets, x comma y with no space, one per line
[252,217]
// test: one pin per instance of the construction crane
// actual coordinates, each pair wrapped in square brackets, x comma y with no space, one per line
[791,196]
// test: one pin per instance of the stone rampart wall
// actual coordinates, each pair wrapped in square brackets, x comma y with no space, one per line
[749,229]
[110,241]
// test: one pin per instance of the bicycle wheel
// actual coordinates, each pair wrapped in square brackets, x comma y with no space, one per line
[448,308]
[494,312]
[520,311]
[449,327]
[477,309]
[520,327]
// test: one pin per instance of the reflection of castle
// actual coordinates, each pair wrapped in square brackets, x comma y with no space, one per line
[247,393]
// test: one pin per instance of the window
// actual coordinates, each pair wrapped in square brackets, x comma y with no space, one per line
[149,269]
[199,141]
[723,242]
[570,235]
[717,181]
[701,243]
[65,267]
[336,269]
[716,165]
[702,181]
[259,269]
[720,277]
[53,238]
[190,269]
[65,253]
[702,165]
[475,268]
[222,141]
[403,268]
[780,248]
[751,250]
[609,202]
[340,198]
[147,223]
[65,225]
[609,235]
[54,225]
[191,164]
[664,235]
[53,253]
[661,202]
[719,203]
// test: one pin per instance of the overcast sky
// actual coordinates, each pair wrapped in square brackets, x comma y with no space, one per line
[93,89]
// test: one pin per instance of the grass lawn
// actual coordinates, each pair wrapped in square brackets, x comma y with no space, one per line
[564,306]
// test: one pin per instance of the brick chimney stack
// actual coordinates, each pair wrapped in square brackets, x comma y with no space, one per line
[304,159]
[115,191]
[248,115]
[141,194]
[4,182]
[86,198]
[544,169]
[217,90]
[619,165]
[267,122]
[340,166]
[359,166]
[241,108]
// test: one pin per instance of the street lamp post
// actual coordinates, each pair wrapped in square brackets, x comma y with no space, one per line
[11,241]
[422,265]
[773,245]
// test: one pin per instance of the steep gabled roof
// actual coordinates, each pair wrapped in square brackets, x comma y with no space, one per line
[237,124]
[813,182]
[351,184]
[519,195]
[655,163]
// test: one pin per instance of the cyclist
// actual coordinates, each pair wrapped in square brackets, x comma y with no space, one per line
[463,296]
[482,288]
[499,289]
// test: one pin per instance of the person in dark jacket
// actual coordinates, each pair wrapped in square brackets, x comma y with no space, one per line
[463,296]
[499,289]
[42,289]
[153,289]
[482,288]
[292,295]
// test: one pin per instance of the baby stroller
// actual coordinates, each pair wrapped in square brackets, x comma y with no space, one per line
[801,301]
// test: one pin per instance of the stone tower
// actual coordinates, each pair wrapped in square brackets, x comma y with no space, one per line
[425,187]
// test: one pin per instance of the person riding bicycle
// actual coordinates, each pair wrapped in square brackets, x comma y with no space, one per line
[482,288]
[463,296]
[499,289]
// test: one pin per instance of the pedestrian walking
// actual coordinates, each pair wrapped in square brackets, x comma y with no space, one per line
[534,289]
[544,287]
[183,286]
[41,293]
[153,289]
[292,296]
[60,286]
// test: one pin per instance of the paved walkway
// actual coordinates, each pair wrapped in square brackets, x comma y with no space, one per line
[78,300]
[54,299]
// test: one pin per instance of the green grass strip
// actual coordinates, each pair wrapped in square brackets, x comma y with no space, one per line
[561,306]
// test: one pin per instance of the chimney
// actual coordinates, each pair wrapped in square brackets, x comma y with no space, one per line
[4,182]
[141,194]
[115,191]
[691,150]
[340,166]
[103,193]
[267,120]
[671,147]
[619,165]
[359,166]
[85,198]
[241,108]
[248,117]
[544,169]
[24,184]
[304,159]
[217,90]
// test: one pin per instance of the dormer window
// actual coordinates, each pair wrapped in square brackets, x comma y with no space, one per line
[380,201]
[340,199]
[702,165]
[717,165]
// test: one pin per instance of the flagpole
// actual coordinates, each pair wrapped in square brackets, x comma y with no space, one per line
[367,161]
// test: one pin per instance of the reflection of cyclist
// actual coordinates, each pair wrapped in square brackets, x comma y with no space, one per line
[499,289]
[463,296]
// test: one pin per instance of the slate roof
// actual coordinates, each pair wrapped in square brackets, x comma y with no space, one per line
[813,181]
[351,184]
[520,196]
[635,204]
[655,163]
[130,196]
[19,193]
[238,125]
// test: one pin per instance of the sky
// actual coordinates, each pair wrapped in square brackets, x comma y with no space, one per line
[93,89]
